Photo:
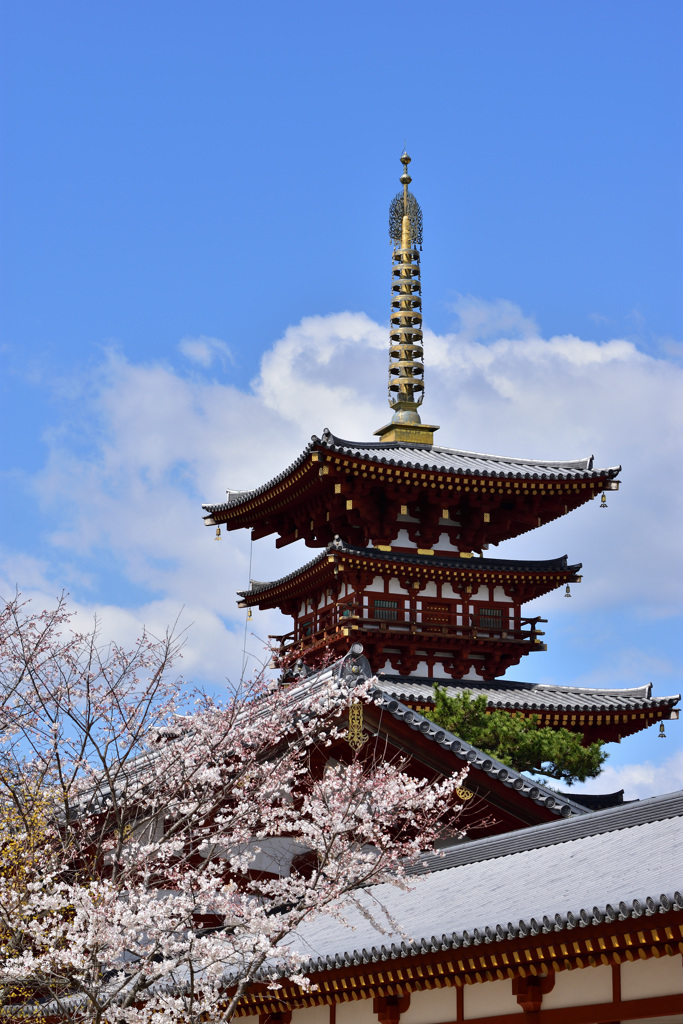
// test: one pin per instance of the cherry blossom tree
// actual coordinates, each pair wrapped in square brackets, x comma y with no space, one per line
[158,847]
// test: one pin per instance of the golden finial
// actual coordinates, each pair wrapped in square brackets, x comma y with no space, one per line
[406,364]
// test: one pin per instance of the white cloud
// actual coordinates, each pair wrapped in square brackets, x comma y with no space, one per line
[639,780]
[122,487]
[204,350]
[480,319]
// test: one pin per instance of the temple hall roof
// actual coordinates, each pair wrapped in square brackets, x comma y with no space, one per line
[509,695]
[433,458]
[429,562]
[540,794]
[622,862]
[462,753]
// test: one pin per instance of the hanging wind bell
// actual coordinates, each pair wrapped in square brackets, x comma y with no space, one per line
[662,734]
[218,533]
[567,592]
[603,501]
[250,614]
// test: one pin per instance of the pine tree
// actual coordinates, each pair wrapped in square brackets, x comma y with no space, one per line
[517,740]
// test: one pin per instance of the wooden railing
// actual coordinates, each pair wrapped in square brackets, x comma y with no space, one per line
[407,629]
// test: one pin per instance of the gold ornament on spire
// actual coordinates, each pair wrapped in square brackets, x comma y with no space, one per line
[406,355]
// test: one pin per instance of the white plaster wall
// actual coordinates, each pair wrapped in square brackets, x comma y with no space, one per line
[431,1007]
[444,544]
[395,587]
[403,541]
[312,1015]
[357,1012]
[482,594]
[654,977]
[377,585]
[447,590]
[489,998]
[473,674]
[581,986]
[421,670]
[429,589]
[500,595]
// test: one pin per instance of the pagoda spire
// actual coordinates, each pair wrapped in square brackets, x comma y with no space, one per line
[406,354]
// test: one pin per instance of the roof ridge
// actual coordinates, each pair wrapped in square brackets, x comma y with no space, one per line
[553,833]
[504,685]
[479,759]
[586,462]
[559,563]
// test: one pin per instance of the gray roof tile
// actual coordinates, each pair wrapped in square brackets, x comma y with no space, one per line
[621,863]
[469,564]
[558,803]
[511,695]
[433,457]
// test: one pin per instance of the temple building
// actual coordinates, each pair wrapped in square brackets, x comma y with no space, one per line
[403,528]
[554,908]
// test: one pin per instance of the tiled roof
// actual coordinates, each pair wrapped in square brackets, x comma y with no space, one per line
[469,564]
[431,457]
[622,863]
[551,833]
[558,803]
[510,695]
[464,753]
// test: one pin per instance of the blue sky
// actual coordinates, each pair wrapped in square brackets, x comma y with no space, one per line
[195,271]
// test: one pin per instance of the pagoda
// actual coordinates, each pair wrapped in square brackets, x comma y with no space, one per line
[401,525]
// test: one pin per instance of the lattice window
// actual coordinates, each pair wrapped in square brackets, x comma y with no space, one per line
[307,628]
[491,618]
[387,610]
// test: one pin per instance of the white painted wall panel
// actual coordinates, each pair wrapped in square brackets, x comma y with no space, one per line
[654,977]
[431,1007]
[490,998]
[312,1015]
[357,1012]
[583,986]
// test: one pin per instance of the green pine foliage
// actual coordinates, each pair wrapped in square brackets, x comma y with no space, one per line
[516,740]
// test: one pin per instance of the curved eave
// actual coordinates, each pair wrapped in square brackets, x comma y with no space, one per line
[430,459]
[525,696]
[547,574]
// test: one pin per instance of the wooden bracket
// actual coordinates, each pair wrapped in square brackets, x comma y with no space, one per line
[390,1008]
[530,990]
